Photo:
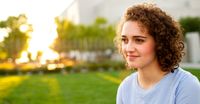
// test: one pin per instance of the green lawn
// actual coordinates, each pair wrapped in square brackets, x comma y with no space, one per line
[195,72]
[87,88]
[81,88]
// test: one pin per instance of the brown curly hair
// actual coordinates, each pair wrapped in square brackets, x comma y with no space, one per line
[166,32]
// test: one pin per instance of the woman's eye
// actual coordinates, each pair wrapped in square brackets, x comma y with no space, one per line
[139,41]
[124,40]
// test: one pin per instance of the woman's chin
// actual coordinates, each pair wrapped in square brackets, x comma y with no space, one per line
[132,65]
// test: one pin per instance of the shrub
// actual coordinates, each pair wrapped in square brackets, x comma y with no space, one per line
[190,24]
[105,65]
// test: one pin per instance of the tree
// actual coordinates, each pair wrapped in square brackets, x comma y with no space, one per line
[2,53]
[64,28]
[97,36]
[17,40]
[190,24]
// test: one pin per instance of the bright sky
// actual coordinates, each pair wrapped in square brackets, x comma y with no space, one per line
[41,15]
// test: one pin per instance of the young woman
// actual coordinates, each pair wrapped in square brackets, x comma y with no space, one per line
[151,43]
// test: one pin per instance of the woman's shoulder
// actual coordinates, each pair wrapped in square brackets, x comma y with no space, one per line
[187,81]
[129,80]
[188,89]
[186,76]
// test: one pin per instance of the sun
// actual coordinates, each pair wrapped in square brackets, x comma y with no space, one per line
[41,38]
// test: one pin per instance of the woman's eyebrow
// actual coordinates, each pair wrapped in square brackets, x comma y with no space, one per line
[135,36]
[139,37]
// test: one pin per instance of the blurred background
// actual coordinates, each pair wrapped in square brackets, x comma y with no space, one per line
[62,51]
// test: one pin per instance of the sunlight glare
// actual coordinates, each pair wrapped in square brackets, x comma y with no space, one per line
[3,33]
[40,14]
[23,28]
[23,58]
[42,38]
[49,55]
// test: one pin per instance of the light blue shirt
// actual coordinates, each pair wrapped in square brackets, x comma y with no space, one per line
[180,87]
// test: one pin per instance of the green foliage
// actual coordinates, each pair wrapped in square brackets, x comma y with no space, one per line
[100,20]
[15,43]
[2,24]
[103,65]
[17,40]
[3,54]
[190,24]
[97,36]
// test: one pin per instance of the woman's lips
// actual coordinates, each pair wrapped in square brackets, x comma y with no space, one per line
[132,57]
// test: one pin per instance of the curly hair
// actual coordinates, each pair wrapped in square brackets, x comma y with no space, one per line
[166,32]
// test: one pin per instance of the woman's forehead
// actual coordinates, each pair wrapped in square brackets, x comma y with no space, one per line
[133,28]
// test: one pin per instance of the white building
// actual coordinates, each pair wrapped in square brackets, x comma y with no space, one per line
[85,11]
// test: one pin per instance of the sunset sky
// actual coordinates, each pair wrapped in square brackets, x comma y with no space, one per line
[41,14]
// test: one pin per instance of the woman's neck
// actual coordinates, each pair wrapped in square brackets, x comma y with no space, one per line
[149,76]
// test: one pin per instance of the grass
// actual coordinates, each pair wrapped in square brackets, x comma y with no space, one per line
[88,88]
[79,88]
[195,72]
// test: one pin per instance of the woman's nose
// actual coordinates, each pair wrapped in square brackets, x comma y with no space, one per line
[130,46]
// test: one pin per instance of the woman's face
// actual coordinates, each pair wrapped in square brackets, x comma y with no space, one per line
[138,47]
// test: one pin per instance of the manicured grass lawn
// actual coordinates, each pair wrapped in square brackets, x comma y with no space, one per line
[81,88]
[87,88]
[195,72]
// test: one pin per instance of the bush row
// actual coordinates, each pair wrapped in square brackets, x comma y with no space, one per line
[79,67]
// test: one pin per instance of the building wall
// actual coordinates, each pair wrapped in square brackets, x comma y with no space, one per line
[180,8]
[85,11]
[72,13]
[193,45]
